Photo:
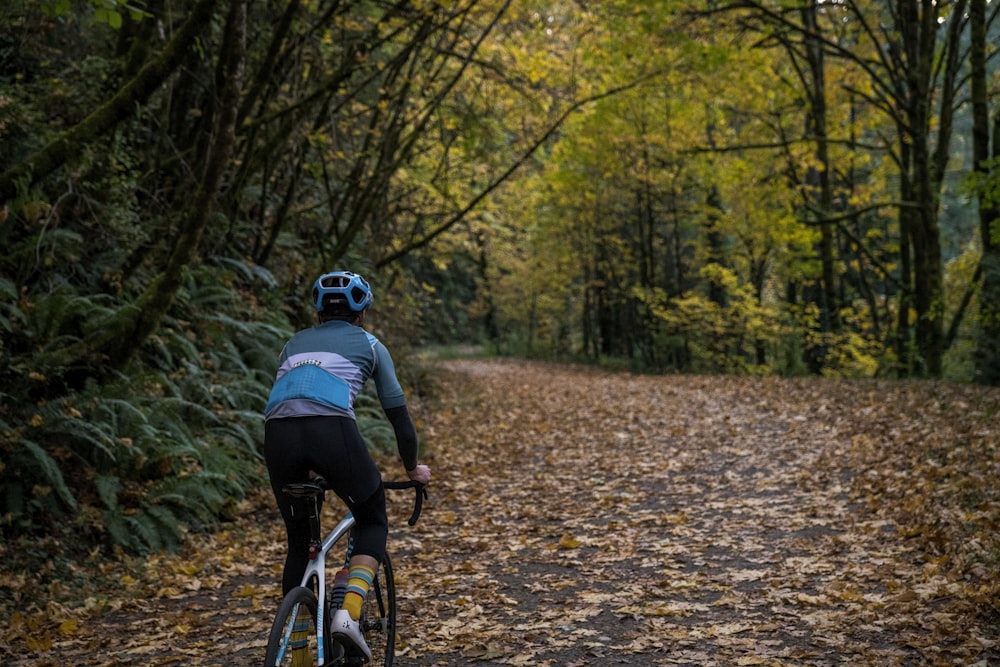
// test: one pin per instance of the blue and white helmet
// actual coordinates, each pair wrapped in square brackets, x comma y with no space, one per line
[342,287]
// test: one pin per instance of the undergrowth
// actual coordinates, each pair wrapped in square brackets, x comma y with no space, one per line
[136,460]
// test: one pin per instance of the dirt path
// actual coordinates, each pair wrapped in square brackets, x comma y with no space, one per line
[700,521]
[580,518]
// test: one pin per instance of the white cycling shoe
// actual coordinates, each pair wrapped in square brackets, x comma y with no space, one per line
[348,631]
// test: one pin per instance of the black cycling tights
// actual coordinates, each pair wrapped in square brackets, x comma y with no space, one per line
[334,448]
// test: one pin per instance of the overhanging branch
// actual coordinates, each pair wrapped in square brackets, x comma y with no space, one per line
[499,180]
[46,160]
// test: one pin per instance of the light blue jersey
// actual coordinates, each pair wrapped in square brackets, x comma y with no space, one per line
[323,369]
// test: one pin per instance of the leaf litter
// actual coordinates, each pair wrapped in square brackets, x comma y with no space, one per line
[580,516]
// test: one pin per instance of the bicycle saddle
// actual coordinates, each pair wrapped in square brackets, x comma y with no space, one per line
[313,487]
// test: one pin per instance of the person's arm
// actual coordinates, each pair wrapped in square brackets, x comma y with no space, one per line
[390,394]
[406,440]
[406,435]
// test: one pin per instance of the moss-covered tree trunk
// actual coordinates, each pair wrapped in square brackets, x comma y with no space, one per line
[114,344]
[154,302]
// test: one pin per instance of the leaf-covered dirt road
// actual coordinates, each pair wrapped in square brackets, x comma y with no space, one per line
[581,517]
[599,518]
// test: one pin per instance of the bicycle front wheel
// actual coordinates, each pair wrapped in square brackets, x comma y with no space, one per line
[293,641]
[378,615]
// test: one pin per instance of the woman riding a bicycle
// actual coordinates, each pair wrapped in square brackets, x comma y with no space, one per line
[311,429]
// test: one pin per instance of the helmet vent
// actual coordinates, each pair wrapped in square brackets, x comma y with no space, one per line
[335,281]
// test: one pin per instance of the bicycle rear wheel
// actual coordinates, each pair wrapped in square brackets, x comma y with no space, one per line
[293,641]
[378,616]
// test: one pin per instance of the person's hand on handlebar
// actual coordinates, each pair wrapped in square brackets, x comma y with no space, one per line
[420,474]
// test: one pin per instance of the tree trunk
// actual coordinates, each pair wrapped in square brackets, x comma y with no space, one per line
[927,56]
[117,342]
[816,120]
[903,339]
[987,357]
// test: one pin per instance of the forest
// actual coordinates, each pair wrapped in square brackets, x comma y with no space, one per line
[737,187]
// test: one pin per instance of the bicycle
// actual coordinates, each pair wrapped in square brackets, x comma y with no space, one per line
[300,634]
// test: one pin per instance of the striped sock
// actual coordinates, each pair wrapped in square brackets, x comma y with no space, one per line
[301,655]
[357,588]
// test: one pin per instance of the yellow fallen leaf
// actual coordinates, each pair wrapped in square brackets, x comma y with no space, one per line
[247,591]
[569,542]
[38,643]
[187,568]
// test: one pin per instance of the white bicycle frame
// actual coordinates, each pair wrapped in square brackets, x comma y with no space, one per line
[316,568]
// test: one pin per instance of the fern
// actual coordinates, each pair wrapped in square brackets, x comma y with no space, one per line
[231,323]
[250,273]
[122,414]
[144,532]
[243,440]
[65,316]
[180,413]
[81,432]
[206,298]
[171,531]
[166,385]
[158,353]
[50,471]
[108,487]
[166,445]
[176,345]
[118,530]
[8,308]
[196,497]
[96,312]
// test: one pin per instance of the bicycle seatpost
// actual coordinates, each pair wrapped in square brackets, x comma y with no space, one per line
[315,543]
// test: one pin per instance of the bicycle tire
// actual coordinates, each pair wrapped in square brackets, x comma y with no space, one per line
[378,615]
[298,606]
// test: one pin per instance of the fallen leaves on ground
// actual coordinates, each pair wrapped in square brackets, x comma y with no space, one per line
[583,517]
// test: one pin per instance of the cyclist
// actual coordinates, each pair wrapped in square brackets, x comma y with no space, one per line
[310,429]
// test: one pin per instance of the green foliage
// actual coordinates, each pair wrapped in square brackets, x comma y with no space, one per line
[29,455]
[984,184]
[9,311]
[108,12]
[138,459]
